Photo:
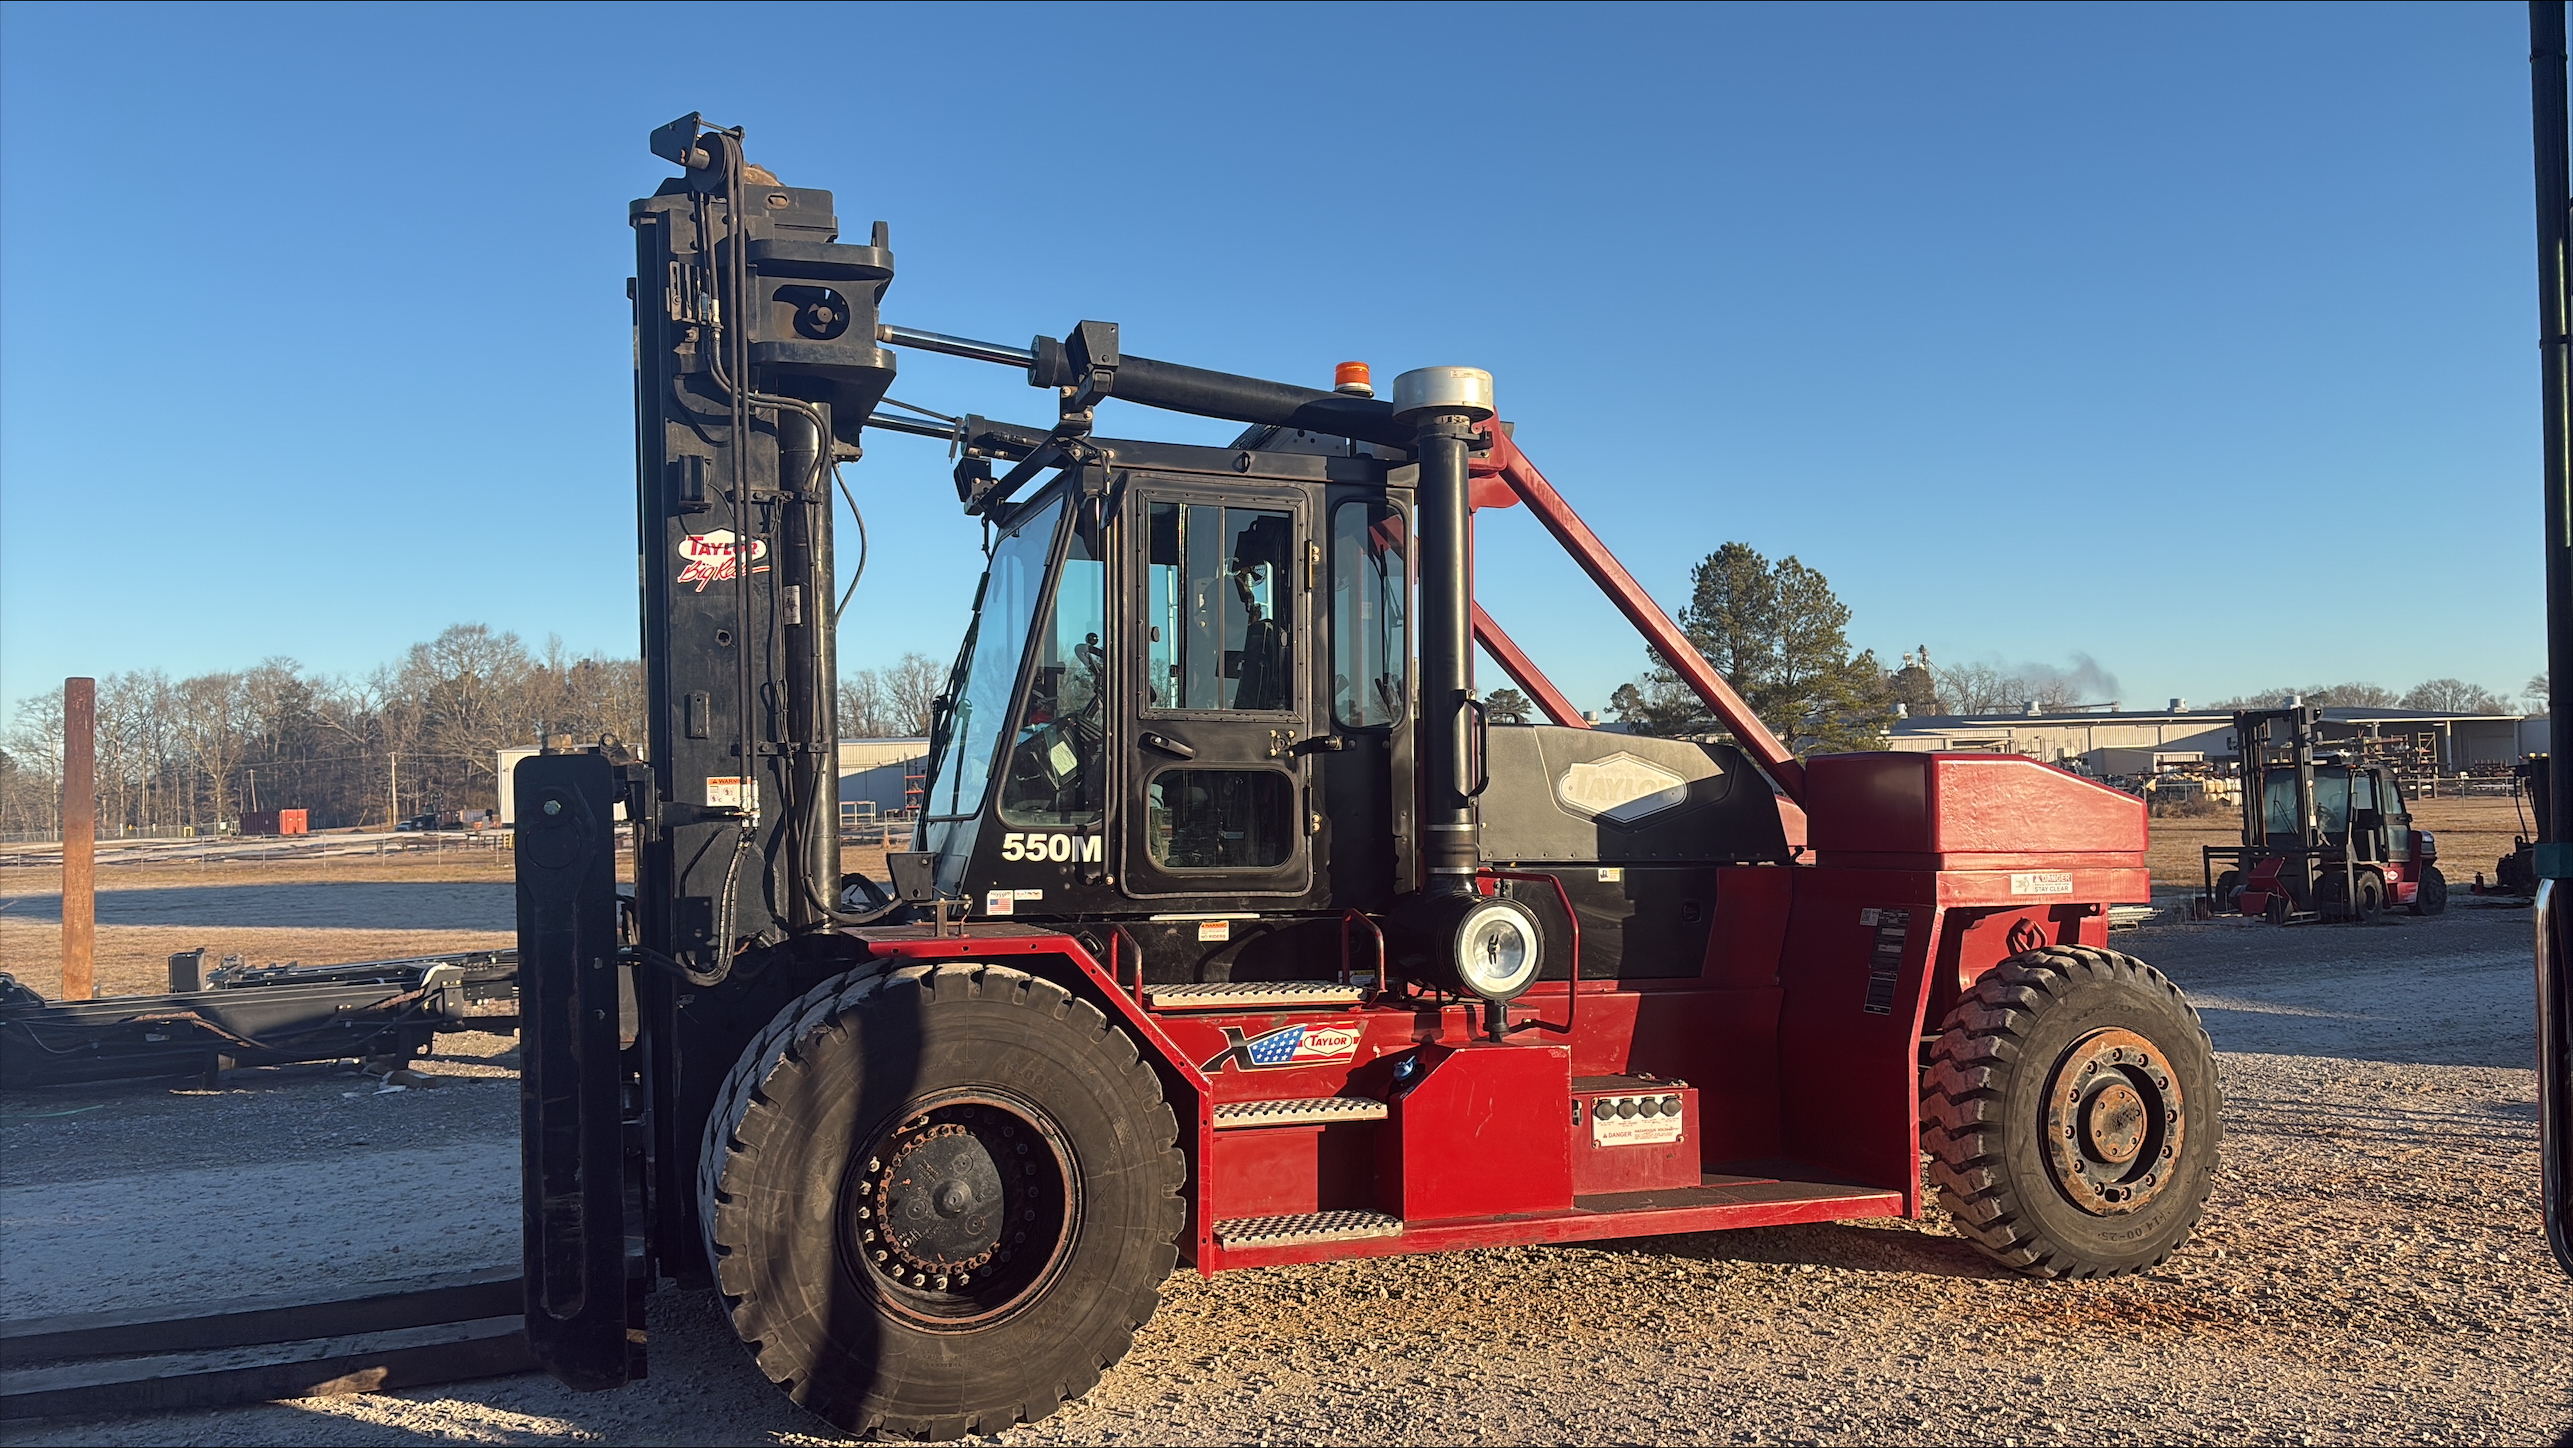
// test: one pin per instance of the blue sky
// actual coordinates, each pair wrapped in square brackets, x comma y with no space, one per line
[2194,340]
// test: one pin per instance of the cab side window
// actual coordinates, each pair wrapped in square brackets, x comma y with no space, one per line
[1220,592]
[1056,774]
[1370,591]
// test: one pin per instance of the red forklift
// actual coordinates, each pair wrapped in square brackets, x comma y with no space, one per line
[1234,932]
[2323,837]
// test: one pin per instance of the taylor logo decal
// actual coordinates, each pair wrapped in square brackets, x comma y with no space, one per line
[709,557]
[1316,1045]
[1620,789]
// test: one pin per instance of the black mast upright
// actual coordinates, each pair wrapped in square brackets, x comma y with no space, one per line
[2555,854]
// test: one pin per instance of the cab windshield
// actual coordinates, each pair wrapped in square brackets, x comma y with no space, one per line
[2331,802]
[960,769]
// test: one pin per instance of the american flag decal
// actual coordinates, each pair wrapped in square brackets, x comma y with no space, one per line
[1306,1045]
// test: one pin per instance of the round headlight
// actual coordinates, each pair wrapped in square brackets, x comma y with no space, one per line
[1497,955]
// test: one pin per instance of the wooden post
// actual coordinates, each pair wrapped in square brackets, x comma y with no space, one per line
[80,836]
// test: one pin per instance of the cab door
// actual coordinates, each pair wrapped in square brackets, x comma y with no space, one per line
[1217,800]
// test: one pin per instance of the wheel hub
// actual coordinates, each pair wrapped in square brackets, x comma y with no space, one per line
[940,1201]
[959,1212]
[2115,1122]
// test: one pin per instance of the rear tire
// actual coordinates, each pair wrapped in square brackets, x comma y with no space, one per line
[2072,1114]
[2432,898]
[940,1200]
[2370,902]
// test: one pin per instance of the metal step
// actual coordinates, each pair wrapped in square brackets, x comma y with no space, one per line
[1309,1112]
[1246,995]
[1306,1227]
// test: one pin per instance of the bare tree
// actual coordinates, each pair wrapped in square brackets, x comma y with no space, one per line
[2539,696]
[910,683]
[214,721]
[179,753]
[2453,696]
[862,705]
[36,759]
[1973,689]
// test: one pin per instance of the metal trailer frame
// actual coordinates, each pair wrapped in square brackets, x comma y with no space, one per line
[250,1016]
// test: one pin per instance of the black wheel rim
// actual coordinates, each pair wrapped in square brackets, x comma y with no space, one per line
[961,1211]
[2115,1123]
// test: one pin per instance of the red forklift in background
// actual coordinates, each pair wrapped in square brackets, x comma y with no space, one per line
[1234,932]
[2323,837]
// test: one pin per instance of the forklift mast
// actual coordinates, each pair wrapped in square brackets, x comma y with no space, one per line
[2281,742]
[2554,853]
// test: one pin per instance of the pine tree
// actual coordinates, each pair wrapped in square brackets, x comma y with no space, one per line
[1779,635]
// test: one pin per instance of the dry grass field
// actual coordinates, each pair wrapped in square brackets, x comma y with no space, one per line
[2472,834]
[271,911]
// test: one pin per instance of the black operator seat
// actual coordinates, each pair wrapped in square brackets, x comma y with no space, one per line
[1264,680]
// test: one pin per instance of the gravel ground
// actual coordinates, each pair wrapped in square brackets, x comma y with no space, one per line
[2370,1268]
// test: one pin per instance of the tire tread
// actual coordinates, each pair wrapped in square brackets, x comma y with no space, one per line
[743,1107]
[1962,1101]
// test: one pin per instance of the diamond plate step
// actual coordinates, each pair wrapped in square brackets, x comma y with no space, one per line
[1245,995]
[1306,1112]
[1306,1227]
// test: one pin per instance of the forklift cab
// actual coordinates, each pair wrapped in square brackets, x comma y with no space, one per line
[1186,685]
[2355,808]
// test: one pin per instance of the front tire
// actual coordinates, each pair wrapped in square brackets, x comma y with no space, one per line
[2072,1114]
[2432,897]
[940,1200]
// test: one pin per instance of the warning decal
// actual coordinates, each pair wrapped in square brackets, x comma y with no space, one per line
[1885,958]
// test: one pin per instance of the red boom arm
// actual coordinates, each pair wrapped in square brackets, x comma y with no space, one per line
[1513,467]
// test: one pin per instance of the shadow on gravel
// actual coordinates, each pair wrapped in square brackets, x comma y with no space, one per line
[2341,1122]
[363,904]
[1845,1246]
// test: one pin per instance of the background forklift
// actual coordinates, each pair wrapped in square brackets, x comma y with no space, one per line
[1234,932]
[2322,838]
[2516,872]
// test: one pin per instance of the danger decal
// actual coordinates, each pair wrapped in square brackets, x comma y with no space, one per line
[1313,1045]
[711,557]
